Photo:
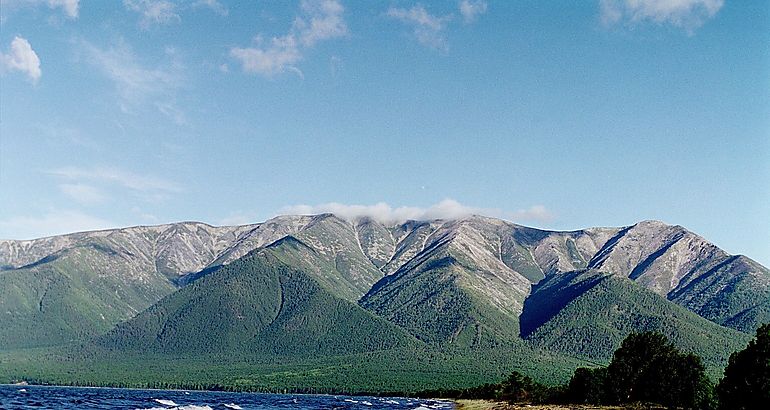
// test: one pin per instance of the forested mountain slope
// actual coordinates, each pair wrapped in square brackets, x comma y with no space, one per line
[464,282]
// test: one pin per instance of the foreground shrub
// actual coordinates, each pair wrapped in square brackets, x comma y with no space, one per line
[588,386]
[746,384]
[647,369]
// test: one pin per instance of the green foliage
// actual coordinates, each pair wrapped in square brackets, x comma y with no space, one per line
[588,385]
[255,306]
[518,388]
[601,310]
[433,305]
[345,273]
[638,360]
[746,384]
[65,298]
[400,371]
[742,301]
[286,317]
[648,368]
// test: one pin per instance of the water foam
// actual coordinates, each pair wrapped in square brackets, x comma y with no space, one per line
[166,402]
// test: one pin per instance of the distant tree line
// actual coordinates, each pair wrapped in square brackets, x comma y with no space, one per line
[647,368]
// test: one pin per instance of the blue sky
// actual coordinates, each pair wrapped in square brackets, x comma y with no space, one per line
[553,114]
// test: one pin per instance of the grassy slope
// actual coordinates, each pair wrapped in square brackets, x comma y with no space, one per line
[733,293]
[257,324]
[65,299]
[255,306]
[402,370]
[432,302]
[596,319]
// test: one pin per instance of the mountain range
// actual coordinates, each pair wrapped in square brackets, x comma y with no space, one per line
[307,287]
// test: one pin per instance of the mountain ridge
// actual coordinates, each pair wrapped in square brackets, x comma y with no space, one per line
[487,268]
[306,289]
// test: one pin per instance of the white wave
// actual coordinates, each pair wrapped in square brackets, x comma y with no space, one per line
[390,401]
[190,407]
[166,402]
[366,403]
[233,406]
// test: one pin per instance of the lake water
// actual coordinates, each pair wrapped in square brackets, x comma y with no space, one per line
[66,398]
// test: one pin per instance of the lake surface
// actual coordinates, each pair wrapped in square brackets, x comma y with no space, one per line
[66,398]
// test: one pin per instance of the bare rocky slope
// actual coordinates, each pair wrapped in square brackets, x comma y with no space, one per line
[454,281]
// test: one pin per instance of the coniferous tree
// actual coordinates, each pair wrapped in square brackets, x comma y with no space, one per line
[518,388]
[746,384]
[588,386]
[646,368]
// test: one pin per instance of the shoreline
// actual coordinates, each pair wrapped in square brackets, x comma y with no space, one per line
[478,404]
[60,386]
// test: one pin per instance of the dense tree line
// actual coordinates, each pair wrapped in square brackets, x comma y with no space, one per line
[647,368]
[746,384]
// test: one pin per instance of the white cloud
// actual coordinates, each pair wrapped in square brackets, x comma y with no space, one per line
[170,110]
[471,9]
[135,83]
[446,209]
[22,58]
[145,217]
[69,7]
[117,177]
[533,213]
[214,5]
[428,29]
[319,20]
[274,58]
[153,11]
[83,193]
[238,218]
[54,222]
[686,14]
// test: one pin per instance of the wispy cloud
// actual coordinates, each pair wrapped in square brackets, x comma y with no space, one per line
[472,9]
[153,11]
[278,55]
[57,133]
[70,8]
[428,29]
[83,193]
[446,209]
[686,14]
[534,213]
[53,222]
[238,218]
[137,84]
[318,21]
[22,58]
[118,177]
[213,5]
